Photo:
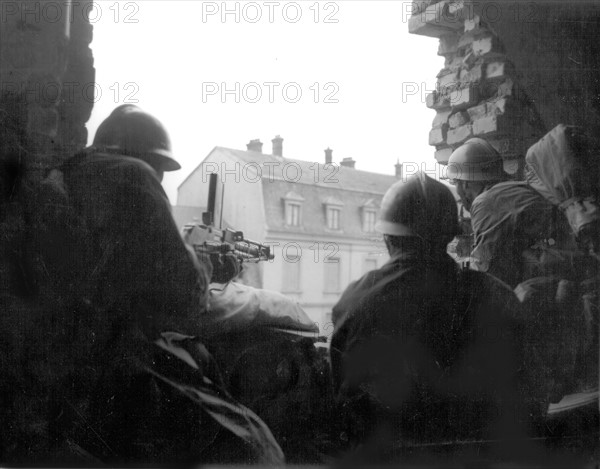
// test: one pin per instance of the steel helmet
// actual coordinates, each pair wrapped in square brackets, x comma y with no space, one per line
[133,132]
[419,206]
[476,160]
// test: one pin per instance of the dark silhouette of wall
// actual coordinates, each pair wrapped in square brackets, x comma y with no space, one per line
[46,78]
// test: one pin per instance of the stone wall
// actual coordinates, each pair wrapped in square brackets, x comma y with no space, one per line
[46,78]
[45,66]
[513,70]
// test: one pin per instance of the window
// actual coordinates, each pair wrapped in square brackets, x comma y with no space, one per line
[332,275]
[293,209]
[333,213]
[369,215]
[333,218]
[291,274]
[293,214]
[369,219]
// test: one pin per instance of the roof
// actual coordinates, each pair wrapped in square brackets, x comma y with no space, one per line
[313,217]
[315,185]
[308,172]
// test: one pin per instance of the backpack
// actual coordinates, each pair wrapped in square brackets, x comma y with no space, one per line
[564,167]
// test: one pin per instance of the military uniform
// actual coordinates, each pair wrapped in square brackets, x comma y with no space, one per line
[425,349]
[125,379]
[116,246]
[519,234]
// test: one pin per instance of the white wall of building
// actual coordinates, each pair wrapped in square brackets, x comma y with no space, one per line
[312,294]
[243,205]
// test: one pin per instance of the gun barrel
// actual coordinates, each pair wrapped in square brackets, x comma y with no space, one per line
[254,251]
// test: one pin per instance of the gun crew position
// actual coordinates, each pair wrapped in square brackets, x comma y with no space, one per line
[130,340]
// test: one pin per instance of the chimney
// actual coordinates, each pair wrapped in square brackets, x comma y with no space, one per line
[328,156]
[398,169]
[277,146]
[348,163]
[255,145]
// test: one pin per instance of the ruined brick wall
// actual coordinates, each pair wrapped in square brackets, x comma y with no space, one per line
[46,72]
[45,66]
[513,70]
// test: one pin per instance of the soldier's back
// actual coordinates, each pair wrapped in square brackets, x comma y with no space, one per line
[429,347]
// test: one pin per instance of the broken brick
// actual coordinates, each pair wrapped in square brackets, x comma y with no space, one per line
[459,135]
[442,156]
[474,74]
[455,64]
[448,80]
[502,106]
[493,89]
[487,46]
[448,44]
[475,26]
[472,24]
[507,88]
[492,125]
[476,112]
[434,21]
[457,119]
[437,101]
[443,71]
[465,41]
[416,25]
[441,118]
[464,97]
[437,136]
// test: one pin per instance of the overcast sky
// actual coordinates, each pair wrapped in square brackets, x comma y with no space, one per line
[356,59]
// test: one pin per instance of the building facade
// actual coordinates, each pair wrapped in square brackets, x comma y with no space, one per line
[319,218]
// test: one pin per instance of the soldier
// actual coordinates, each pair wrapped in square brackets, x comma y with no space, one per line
[422,350]
[513,226]
[132,132]
[475,167]
[520,235]
[119,211]
[124,317]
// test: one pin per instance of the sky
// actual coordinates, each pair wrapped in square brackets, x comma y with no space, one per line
[345,75]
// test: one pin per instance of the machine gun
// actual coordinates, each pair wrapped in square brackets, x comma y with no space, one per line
[222,246]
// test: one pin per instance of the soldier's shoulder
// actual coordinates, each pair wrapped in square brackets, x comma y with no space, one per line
[356,293]
[362,283]
[93,160]
[480,203]
[483,200]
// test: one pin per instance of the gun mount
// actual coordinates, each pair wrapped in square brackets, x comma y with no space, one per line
[208,240]
[214,243]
